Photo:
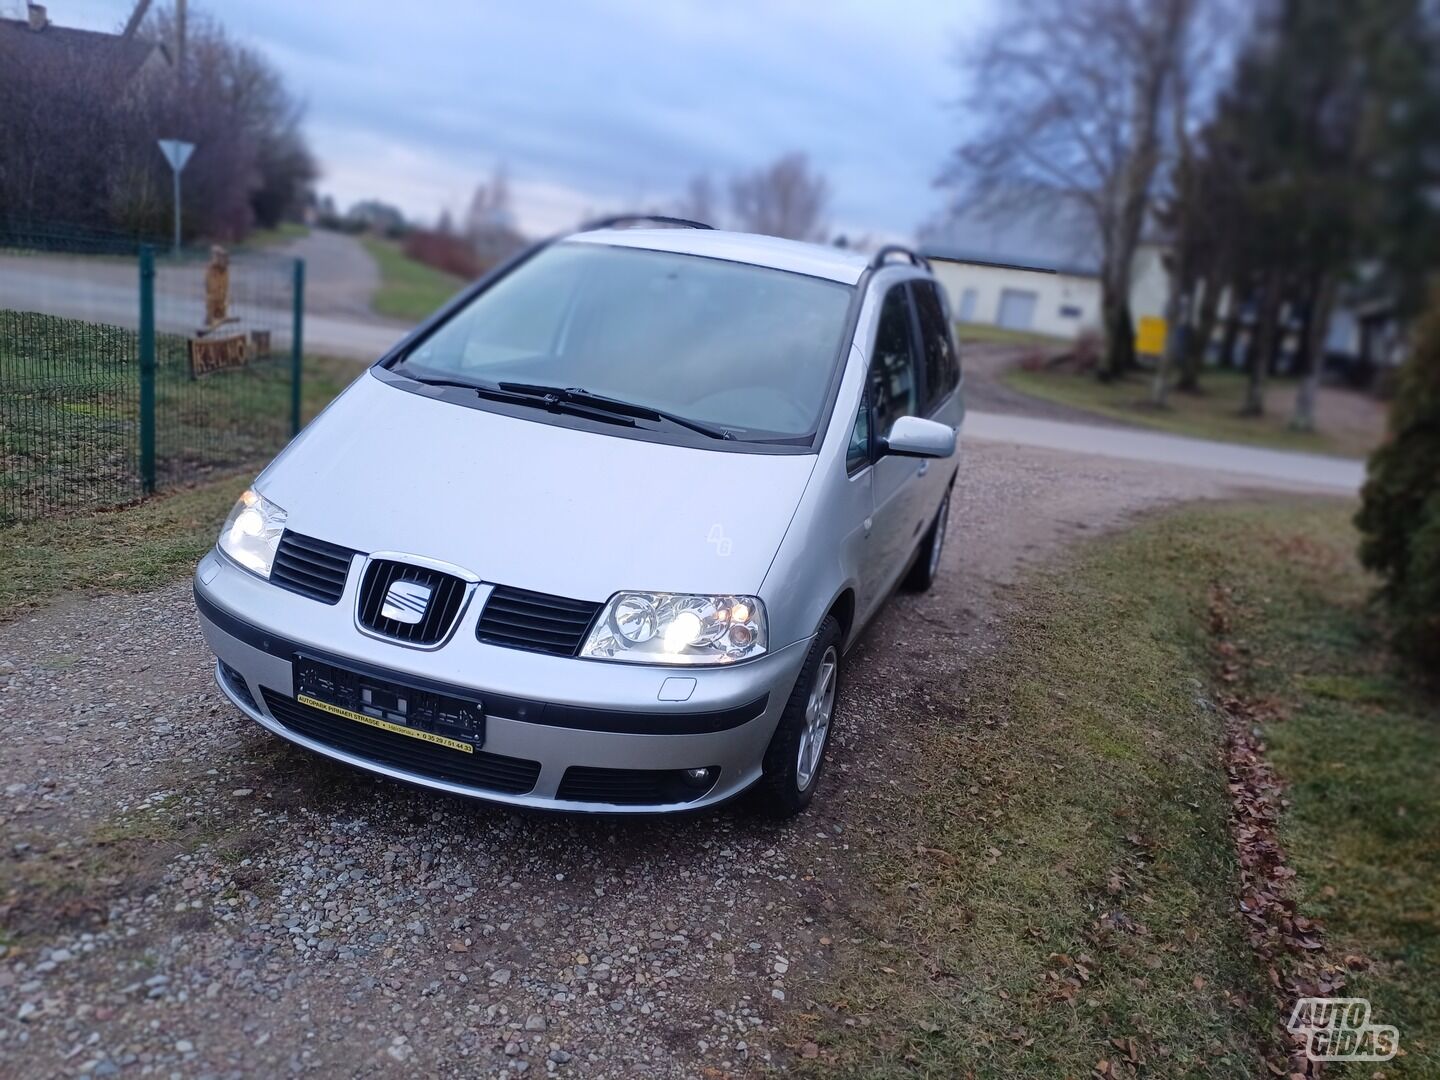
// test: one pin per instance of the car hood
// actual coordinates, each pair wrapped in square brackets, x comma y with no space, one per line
[534,505]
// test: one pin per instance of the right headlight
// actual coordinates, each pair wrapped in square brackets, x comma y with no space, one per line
[252,532]
[678,628]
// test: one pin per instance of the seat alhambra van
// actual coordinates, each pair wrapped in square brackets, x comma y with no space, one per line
[598,535]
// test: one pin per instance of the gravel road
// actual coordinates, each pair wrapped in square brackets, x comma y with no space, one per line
[985,391]
[184,895]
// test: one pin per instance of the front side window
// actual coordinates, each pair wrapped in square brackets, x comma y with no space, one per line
[857,455]
[743,348]
[892,367]
[942,369]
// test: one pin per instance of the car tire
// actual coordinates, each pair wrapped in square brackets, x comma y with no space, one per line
[927,560]
[794,759]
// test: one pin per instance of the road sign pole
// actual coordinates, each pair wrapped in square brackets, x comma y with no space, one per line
[177,153]
[176,174]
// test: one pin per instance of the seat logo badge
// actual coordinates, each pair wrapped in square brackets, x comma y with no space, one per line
[405,601]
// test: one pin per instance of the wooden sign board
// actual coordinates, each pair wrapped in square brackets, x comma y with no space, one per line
[209,355]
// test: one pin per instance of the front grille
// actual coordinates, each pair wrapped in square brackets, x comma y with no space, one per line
[519,619]
[237,685]
[632,787]
[310,567]
[437,614]
[488,772]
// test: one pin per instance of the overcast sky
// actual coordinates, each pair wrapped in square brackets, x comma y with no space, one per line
[596,106]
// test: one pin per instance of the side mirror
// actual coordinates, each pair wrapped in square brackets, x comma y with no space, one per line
[915,437]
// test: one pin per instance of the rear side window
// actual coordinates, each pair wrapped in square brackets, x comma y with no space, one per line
[942,365]
[892,368]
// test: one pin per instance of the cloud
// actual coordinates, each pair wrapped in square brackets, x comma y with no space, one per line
[596,105]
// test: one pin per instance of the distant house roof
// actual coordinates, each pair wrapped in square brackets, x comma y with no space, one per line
[63,47]
[1053,238]
[1056,237]
[1001,262]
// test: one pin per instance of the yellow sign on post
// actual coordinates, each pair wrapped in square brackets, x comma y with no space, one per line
[1150,335]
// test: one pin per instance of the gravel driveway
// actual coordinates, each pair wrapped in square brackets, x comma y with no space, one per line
[184,895]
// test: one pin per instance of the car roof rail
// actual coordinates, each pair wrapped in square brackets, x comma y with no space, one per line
[628,219]
[881,257]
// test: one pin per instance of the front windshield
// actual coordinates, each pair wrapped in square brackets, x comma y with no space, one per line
[742,348]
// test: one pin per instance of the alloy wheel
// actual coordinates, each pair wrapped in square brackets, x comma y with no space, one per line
[818,711]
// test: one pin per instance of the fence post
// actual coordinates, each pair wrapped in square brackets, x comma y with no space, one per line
[147,368]
[297,345]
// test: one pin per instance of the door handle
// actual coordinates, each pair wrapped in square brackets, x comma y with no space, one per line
[924,468]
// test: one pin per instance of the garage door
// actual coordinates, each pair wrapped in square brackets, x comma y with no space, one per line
[1017,309]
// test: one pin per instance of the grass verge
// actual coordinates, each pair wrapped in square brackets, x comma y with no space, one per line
[1062,892]
[1213,414]
[408,290]
[142,545]
[1000,335]
[1359,745]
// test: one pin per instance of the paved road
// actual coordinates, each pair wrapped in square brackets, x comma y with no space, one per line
[340,275]
[1273,468]
[106,290]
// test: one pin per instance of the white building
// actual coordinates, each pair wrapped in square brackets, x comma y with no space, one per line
[1055,300]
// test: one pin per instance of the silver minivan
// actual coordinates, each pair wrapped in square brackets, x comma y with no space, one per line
[598,535]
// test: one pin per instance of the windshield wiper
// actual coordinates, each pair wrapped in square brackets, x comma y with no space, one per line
[492,392]
[578,396]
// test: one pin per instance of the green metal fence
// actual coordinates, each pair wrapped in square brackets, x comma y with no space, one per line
[124,371]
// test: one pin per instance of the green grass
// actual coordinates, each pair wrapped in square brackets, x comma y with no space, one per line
[1214,414]
[409,290]
[142,545]
[1064,876]
[1360,747]
[282,234]
[999,335]
[127,550]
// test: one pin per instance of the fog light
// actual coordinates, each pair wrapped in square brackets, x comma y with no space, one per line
[697,776]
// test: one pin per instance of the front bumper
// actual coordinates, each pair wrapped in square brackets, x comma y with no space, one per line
[559,712]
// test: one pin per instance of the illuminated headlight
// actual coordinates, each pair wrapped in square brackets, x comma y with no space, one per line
[678,628]
[252,532]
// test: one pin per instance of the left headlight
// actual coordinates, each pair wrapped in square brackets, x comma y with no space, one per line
[252,532]
[678,628]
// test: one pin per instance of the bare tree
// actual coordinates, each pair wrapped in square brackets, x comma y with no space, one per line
[490,224]
[782,199]
[79,125]
[1072,97]
[490,205]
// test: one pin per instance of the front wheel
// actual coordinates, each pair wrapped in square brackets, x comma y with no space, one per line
[796,754]
[927,561]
